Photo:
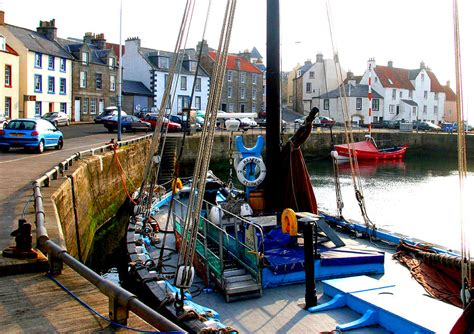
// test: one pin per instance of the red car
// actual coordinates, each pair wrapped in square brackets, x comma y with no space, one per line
[323,121]
[152,118]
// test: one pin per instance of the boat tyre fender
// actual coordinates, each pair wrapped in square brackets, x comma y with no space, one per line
[289,222]
[241,171]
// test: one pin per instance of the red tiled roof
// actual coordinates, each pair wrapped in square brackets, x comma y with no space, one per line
[116,48]
[394,77]
[245,65]
[450,94]
[11,50]
[435,85]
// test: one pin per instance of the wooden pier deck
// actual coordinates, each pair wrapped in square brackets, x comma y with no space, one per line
[33,303]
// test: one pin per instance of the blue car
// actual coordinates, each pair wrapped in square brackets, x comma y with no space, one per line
[32,133]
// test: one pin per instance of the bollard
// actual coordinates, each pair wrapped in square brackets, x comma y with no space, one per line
[23,240]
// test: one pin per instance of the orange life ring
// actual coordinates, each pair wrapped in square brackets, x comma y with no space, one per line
[289,222]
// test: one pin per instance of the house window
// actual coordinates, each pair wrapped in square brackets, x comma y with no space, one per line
[242,93]
[198,85]
[63,107]
[8,76]
[62,86]
[311,75]
[394,94]
[51,85]
[401,94]
[197,102]
[435,110]
[254,94]
[38,109]
[83,79]
[414,111]
[229,91]
[326,104]
[375,104]
[98,81]
[410,94]
[425,109]
[308,87]
[85,58]
[163,62]
[51,63]
[422,77]
[62,64]
[229,75]
[38,83]
[398,110]
[436,96]
[184,83]
[425,94]
[391,109]
[166,79]
[85,105]
[254,107]
[93,106]
[111,63]
[38,60]
[359,103]
[3,44]
[243,77]
[112,83]
[254,78]
[231,107]
[8,107]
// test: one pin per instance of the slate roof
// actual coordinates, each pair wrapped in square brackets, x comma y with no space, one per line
[255,54]
[36,42]
[151,55]
[96,55]
[261,67]
[304,69]
[245,65]
[355,91]
[410,102]
[135,88]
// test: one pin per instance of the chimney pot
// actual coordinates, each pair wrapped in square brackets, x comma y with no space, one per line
[2,17]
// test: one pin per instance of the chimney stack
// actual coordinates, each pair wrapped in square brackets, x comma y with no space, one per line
[88,37]
[99,41]
[48,29]
[319,57]
[2,17]
[422,65]
[390,63]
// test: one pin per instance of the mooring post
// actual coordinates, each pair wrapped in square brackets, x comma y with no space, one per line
[308,236]
[117,313]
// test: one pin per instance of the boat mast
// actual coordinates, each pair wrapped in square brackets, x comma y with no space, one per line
[119,102]
[273,130]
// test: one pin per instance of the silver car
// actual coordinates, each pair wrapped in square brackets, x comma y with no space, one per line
[57,118]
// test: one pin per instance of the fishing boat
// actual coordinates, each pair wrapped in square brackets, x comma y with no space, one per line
[241,248]
[368,150]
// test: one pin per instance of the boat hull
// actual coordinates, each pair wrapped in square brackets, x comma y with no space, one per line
[367,151]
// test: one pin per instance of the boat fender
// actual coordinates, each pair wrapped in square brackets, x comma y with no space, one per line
[177,185]
[241,173]
[334,154]
[183,280]
[246,210]
[289,222]
[215,215]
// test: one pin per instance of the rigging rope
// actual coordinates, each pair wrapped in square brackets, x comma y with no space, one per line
[349,137]
[466,266]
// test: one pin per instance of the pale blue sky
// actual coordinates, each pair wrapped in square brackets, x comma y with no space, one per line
[404,31]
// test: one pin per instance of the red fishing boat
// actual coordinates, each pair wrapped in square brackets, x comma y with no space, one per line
[368,150]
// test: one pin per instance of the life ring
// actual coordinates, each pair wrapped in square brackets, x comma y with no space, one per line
[241,171]
[289,222]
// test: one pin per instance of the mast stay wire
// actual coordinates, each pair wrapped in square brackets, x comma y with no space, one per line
[196,197]
[349,137]
[466,266]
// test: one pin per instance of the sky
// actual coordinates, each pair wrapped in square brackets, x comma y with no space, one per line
[403,31]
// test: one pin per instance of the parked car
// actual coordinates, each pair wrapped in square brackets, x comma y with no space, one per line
[180,119]
[391,124]
[32,133]
[323,121]
[299,121]
[427,126]
[107,114]
[448,127]
[152,118]
[57,118]
[246,122]
[146,110]
[3,121]
[128,123]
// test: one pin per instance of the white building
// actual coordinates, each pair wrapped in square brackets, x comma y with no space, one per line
[151,67]
[45,69]
[409,95]
[313,80]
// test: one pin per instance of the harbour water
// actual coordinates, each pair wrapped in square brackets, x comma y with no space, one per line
[418,196]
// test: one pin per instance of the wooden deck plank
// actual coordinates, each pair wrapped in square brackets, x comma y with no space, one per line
[33,303]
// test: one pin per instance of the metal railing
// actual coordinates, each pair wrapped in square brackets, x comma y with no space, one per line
[120,300]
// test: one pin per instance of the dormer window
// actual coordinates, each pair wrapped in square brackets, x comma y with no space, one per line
[85,58]
[3,43]
[192,66]
[163,62]
[111,63]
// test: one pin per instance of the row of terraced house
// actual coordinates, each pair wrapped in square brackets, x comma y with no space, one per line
[40,73]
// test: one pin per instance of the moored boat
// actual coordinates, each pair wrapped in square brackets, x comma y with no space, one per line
[368,150]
